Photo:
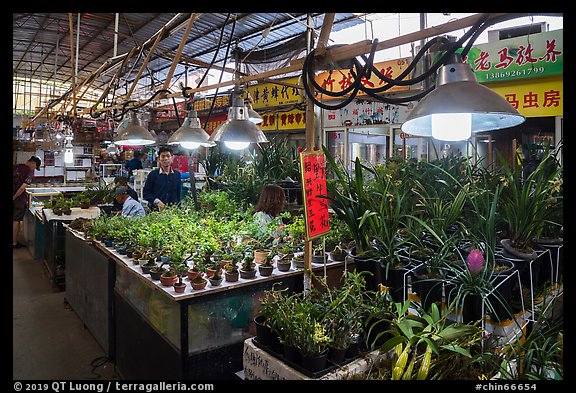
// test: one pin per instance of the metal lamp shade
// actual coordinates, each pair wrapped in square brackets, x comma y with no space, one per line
[253,116]
[458,92]
[134,134]
[190,134]
[238,127]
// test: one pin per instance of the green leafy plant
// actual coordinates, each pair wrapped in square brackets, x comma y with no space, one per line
[526,203]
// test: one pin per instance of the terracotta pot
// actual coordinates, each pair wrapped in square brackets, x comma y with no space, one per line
[260,255]
[168,281]
[192,274]
[199,285]
[179,288]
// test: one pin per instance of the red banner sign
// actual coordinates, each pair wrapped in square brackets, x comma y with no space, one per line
[313,169]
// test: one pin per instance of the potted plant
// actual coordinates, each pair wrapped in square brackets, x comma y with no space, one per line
[248,267]
[196,270]
[298,260]
[527,203]
[169,277]
[83,200]
[180,269]
[216,278]
[312,335]
[266,267]
[213,266]
[338,254]
[471,287]
[199,283]
[231,273]
[157,271]
[318,251]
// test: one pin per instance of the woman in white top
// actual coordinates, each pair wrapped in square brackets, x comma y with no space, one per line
[271,203]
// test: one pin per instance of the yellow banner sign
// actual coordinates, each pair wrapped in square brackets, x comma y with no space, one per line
[285,120]
[533,98]
[267,95]
[336,81]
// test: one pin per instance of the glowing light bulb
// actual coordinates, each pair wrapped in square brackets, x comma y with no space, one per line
[236,145]
[451,126]
[69,153]
[190,145]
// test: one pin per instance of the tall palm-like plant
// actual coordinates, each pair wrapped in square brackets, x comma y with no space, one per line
[350,202]
[526,203]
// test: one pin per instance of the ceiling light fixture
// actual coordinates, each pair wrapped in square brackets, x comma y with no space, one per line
[191,135]
[69,153]
[134,134]
[459,106]
[253,116]
[238,131]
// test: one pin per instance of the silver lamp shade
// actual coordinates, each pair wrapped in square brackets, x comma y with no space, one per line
[459,97]
[253,116]
[134,134]
[190,135]
[238,131]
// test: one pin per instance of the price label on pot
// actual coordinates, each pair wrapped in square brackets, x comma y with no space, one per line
[313,170]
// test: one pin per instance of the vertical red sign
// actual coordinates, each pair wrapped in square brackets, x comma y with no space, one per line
[313,170]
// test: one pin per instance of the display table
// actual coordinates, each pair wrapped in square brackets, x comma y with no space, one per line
[261,365]
[54,246]
[199,334]
[90,287]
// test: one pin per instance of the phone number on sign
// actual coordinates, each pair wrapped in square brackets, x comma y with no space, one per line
[515,73]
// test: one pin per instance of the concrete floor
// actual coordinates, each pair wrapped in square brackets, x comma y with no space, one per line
[49,341]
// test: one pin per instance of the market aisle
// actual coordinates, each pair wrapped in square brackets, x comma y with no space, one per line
[49,340]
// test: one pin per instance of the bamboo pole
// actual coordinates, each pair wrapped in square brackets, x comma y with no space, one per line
[146,60]
[191,21]
[72,63]
[346,52]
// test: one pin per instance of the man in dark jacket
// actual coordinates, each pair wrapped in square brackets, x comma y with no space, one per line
[22,175]
[134,163]
[163,185]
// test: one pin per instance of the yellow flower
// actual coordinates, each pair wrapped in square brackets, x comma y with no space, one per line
[320,336]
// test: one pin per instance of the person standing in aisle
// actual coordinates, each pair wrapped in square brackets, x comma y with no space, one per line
[22,175]
[134,163]
[271,203]
[130,206]
[163,185]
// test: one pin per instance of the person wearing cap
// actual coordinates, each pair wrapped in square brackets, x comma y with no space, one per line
[120,181]
[130,206]
[22,175]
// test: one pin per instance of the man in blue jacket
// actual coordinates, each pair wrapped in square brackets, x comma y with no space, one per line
[163,185]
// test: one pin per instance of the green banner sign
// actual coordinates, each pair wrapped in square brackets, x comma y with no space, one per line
[529,56]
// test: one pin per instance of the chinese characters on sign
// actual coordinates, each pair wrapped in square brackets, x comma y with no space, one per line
[343,79]
[529,56]
[540,97]
[313,169]
[266,95]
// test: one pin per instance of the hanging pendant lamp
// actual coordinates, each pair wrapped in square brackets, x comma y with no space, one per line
[191,135]
[134,134]
[238,131]
[460,106]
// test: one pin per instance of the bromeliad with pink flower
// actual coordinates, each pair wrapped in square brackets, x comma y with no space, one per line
[475,261]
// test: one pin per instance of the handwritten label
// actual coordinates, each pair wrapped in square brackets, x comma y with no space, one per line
[313,170]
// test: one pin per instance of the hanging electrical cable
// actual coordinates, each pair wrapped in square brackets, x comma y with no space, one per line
[358,71]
